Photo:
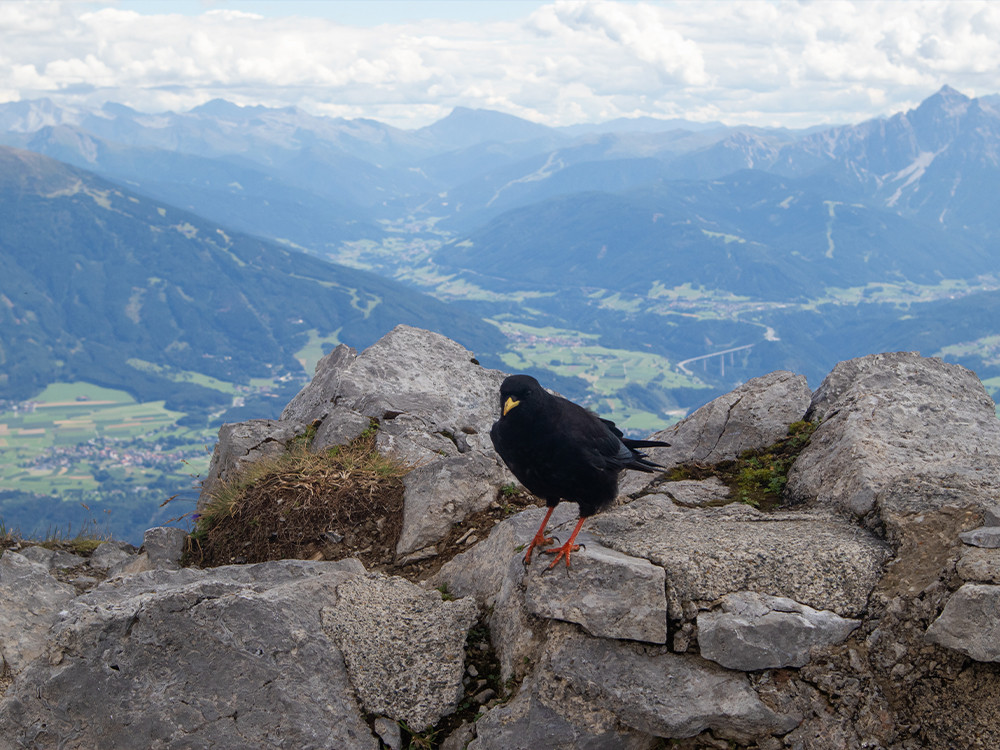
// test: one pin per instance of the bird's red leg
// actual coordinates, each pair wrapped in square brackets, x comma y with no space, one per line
[564,551]
[540,538]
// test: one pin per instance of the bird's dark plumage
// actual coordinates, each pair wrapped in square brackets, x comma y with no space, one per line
[560,451]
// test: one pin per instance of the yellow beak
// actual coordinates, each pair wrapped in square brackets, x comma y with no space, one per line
[509,404]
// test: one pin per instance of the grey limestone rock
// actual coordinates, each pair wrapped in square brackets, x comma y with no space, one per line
[482,570]
[979,565]
[984,536]
[233,657]
[444,492]
[164,545]
[110,554]
[30,602]
[459,738]
[695,493]
[970,622]
[609,594]
[404,647]
[528,722]
[242,443]
[389,732]
[411,372]
[751,631]
[339,427]
[52,559]
[894,416]
[652,690]
[318,398]
[812,557]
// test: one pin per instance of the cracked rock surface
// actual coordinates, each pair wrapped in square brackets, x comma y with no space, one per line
[237,657]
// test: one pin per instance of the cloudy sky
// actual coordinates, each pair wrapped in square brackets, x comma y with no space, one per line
[408,62]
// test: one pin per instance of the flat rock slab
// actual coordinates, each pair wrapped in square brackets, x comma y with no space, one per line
[751,631]
[482,571]
[970,622]
[693,493]
[652,690]
[892,416]
[404,647]
[527,722]
[610,594]
[811,557]
[442,493]
[985,536]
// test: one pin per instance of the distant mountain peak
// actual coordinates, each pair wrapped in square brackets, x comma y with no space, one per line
[947,100]
[948,92]
[217,108]
[465,126]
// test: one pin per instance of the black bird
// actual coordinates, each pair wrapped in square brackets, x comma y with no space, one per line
[561,451]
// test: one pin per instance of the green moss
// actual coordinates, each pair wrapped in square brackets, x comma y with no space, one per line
[758,477]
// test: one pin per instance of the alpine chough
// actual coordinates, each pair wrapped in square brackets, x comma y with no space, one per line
[560,451]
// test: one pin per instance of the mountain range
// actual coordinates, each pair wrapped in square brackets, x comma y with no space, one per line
[676,238]
[93,276]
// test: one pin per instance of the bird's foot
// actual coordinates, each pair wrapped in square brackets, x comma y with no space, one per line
[562,552]
[540,540]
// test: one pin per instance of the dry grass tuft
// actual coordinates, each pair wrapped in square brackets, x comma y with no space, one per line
[346,502]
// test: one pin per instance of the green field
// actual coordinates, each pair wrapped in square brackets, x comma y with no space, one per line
[313,351]
[98,448]
[182,376]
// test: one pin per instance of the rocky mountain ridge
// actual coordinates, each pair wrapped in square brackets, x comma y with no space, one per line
[858,614]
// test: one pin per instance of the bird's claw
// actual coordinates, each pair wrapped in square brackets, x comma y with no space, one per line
[560,553]
[538,541]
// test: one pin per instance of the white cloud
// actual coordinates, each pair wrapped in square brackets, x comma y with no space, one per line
[768,63]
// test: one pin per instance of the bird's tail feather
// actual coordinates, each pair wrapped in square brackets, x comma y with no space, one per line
[645,443]
[641,463]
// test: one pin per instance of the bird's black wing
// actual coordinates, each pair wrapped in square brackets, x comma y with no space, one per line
[598,439]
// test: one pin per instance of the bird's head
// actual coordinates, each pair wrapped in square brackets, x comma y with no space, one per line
[517,390]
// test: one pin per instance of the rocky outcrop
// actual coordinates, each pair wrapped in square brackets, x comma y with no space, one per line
[890,417]
[433,405]
[754,415]
[859,614]
[270,655]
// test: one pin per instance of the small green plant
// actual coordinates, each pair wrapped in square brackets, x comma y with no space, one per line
[762,474]
[369,432]
[304,440]
[419,740]
[446,595]
[509,490]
